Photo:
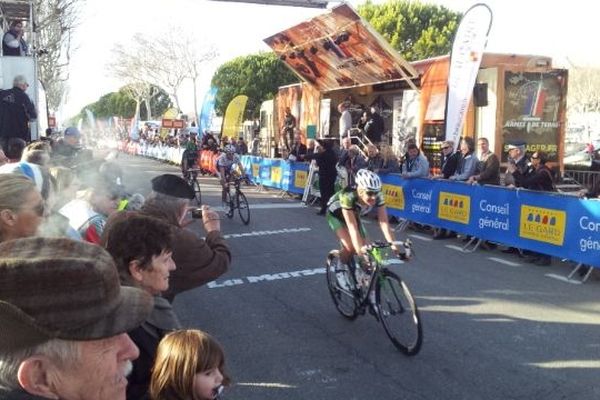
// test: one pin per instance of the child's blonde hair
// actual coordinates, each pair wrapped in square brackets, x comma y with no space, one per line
[179,357]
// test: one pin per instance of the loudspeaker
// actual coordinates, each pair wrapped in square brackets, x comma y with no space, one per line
[480,98]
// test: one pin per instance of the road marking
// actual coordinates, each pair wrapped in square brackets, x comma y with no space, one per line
[265,278]
[505,262]
[266,384]
[268,206]
[424,238]
[455,247]
[266,233]
[564,279]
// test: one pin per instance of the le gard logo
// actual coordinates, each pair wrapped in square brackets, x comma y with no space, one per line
[393,196]
[276,174]
[454,207]
[300,178]
[543,224]
[255,169]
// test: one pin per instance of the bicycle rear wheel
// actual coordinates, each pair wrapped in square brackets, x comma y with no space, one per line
[197,193]
[399,313]
[341,292]
[243,207]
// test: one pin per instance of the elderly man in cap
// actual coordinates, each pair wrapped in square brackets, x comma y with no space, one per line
[16,111]
[517,163]
[198,261]
[63,321]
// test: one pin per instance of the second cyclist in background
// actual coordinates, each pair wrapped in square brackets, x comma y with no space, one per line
[225,165]
[189,158]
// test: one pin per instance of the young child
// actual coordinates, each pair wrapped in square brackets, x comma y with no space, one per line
[189,365]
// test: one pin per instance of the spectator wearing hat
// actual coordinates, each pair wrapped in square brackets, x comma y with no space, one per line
[66,150]
[64,318]
[198,261]
[16,111]
[21,207]
[450,160]
[517,163]
[142,249]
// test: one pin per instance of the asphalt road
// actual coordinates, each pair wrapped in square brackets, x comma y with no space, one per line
[494,326]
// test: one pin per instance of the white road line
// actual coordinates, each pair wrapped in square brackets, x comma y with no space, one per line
[455,247]
[505,262]
[268,206]
[266,278]
[266,233]
[564,279]
[420,237]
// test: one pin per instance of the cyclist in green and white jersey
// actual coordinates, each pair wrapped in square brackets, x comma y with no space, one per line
[345,208]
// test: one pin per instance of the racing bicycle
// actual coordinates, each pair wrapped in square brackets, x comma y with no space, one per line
[236,200]
[382,291]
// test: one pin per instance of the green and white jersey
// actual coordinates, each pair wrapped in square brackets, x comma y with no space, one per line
[347,199]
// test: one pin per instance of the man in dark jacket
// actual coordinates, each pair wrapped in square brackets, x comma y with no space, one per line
[16,110]
[298,150]
[198,261]
[449,160]
[326,161]
[488,167]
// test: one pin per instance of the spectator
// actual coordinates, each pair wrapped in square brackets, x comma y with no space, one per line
[67,148]
[450,160]
[595,166]
[289,125]
[205,139]
[345,123]
[142,249]
[377,127]
[326,161]
[374,159]
[517,163]
[467,164]
[64,319]
[14,150]
[89,213]
[13,43]
[416,164]
[16,111]
[540,179]
[298,150]
[255,146]
[37,174]
[488,167]
[190,364]
[189,158]
[21,207]
[242,147]
[310,146]
[198,261]
[352,160]
[390,161]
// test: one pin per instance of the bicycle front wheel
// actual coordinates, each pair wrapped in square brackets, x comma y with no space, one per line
[340,283]
[399,313]
[243,207]
[229,206]
[197,194]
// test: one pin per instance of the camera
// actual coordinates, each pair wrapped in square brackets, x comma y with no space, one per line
[197,213]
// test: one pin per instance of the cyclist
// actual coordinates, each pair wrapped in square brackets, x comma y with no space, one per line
[343,216]
[190,154]
[225,164]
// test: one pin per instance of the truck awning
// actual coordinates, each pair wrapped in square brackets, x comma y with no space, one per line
[15,9]
[340,50]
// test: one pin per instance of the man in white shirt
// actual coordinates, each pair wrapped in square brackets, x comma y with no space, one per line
[345,120]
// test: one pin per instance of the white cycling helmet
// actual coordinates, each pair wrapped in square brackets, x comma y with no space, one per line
[229,148]
[368,180]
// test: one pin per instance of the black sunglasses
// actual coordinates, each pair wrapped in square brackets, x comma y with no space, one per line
[445,147]
[372,193]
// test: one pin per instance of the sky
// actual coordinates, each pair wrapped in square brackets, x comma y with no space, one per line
[562,30]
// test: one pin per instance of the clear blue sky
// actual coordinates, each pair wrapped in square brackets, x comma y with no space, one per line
[558,29]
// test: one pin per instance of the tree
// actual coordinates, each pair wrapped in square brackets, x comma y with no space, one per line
[584,90]
[416,30]
[55,22]
[257,76]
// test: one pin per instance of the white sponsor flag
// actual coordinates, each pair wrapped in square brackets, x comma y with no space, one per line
[467,51]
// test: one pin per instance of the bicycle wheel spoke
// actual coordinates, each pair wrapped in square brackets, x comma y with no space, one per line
[399,313]
[340,286]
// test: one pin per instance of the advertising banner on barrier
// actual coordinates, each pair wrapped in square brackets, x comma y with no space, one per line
[554,224]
